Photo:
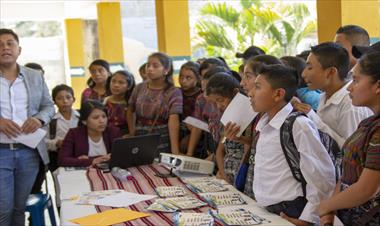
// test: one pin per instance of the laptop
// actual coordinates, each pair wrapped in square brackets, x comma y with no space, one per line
[134,151]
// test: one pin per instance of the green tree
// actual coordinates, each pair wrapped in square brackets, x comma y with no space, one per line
[223,30]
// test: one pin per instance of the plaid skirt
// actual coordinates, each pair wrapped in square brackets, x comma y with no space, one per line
[163,130]
[232,159]
[248,189]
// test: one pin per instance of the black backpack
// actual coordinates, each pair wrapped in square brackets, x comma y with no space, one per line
[293,156]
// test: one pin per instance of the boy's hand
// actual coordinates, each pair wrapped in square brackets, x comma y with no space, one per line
[299,106]
[327,219]
[58,144]
[294,221]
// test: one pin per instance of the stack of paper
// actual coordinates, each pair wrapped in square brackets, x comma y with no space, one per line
[223,199]
[122,199]
[174,204]
[89,197]
[205,185]
[170,191]
[109,217]
[192,219]
[237,217]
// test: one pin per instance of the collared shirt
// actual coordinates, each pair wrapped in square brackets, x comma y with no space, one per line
[337,116]
[273,181]
[13,102]
[63,127]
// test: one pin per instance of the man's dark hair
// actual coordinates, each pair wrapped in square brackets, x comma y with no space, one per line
[281,77]
[35,66]
[4,31]
[211,62]
[330,54]
[60,88]
[355,34]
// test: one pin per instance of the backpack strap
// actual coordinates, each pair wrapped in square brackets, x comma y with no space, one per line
[289,148]
[52,128]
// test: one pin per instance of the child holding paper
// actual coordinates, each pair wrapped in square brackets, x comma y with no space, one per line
[221,89]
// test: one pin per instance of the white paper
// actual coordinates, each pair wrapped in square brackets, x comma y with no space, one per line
[122,200]
[239,111]
[31,139]
[196,123]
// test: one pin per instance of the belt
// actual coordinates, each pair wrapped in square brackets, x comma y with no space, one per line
[13,146]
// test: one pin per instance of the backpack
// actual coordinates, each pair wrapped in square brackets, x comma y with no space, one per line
[293,156]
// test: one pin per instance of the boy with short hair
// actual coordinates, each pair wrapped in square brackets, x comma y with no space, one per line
[327,69]
[274,186]
[65,119]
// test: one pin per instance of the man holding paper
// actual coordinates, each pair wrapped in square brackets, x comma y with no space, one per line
[25,106]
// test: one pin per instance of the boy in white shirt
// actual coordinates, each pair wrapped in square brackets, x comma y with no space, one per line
[327,69]
[65,119]
[274,186]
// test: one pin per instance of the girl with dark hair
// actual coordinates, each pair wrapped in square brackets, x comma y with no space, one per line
[221,89]
[90,143]
[155,105]
[190,82]
[99,70]
[356,200]
[120,85]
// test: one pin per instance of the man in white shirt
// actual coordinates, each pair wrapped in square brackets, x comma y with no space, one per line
[326,69]
[349,36]
[274,185]
[25,106]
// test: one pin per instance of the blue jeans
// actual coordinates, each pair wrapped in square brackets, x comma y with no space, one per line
[18,171]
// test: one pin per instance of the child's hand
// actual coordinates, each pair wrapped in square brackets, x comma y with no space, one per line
[327,219]
[299,106]
[294,221]
[58,144]
[231,130]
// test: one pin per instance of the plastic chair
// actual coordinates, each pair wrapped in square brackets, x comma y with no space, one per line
[36,205]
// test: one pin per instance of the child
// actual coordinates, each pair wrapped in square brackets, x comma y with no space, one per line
[99,70]
[90,143]
[120,85]
[327,70]
[206,111]
[357,194]
[142,72]
[307,96]
[65,119]
[274,186]
[189,80]
[155,105]
[221,89]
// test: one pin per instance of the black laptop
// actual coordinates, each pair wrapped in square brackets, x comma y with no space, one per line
[134,151]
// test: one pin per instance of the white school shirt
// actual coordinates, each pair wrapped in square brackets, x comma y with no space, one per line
[96,148]
[13,103]
[63,127]
[273,181]
[337,116]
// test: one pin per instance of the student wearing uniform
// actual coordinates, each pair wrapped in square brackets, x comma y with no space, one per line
[156,105]
[274,186]
[326,69]
[66,118]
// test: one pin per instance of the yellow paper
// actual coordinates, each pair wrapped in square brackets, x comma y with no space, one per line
[109,217]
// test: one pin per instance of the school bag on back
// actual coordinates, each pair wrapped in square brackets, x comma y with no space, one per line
[293,156]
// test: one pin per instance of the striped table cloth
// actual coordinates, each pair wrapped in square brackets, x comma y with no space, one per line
[143,182]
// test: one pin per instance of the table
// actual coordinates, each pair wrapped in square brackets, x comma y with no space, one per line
[74,183]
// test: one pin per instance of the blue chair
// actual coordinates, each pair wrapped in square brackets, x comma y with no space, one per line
[36,205]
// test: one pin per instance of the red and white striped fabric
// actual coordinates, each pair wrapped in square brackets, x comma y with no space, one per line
[143,182]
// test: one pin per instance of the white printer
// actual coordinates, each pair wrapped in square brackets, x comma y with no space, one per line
[187,164]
